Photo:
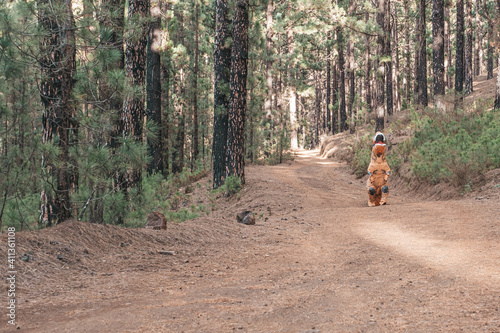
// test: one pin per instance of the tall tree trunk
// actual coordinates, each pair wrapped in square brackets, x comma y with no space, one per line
[422,65]
[292,91]
[438,51]
[222,66]
[135,64]
[478,47]
[407,80]
[180,84]
[395,61]
[497,90]
[180,136]
[317,117]
[459,62]
[154,89]
[380,75]
[387,54]
[269,59]
[368,63]
[490,52]
[335,93]
[447,48]
[58,67]
[352,89]
[416,68]
[468,74]
[196,139]
[328,83]
[342,109]
[237,105]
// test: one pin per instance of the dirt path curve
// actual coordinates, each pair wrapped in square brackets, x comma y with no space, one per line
[318,260]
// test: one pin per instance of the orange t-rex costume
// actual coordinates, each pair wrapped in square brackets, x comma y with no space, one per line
[379,171]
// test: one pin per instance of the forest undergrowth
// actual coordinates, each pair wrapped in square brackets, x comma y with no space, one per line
[431,146]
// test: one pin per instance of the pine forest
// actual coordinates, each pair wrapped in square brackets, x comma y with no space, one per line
[107,107]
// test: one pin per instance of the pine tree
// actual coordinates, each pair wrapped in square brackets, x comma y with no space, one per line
[422,63]
[195,149]
[154,90]
[222,66]
[468,60]
[438,49]
[387,55]
[269,58]
[379,63]
[341,66]
[58,65]
[352,90]
[135,65]
[235,155]
[292,91]
[328,83]
[459,62]
[368,64]
[497,88]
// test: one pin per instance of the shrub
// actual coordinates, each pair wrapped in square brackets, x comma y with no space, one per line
[455,147]
[232,185]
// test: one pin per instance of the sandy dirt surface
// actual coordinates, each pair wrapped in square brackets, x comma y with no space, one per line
[317,260]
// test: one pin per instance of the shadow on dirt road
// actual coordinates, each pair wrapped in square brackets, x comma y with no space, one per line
[318,260]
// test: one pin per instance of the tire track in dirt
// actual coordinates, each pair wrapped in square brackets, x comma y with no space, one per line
[322,262]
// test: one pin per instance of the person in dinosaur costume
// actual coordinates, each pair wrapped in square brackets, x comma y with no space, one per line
[378,171]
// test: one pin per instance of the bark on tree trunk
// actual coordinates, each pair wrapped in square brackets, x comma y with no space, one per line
[368,92]
[342,109]
[294,144]
[468,74]
[422,65]
[490,51]
[180,107]
[497,90]
[478,49]
[154,88]
[237,105]
[328,84]
[318,103]
[447,49]
[459,62]
[222,65]
[335,92]
[380,76]
[352,87]
[132,118]
[395,61]
[270,58]
[438,51]
[408,80]
[387,54]
[58,67]
[196,140]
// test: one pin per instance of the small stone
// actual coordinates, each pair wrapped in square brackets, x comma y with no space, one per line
[167,253]
[246,217]
[157,221]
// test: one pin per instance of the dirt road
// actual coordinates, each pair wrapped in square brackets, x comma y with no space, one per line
[318,260]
